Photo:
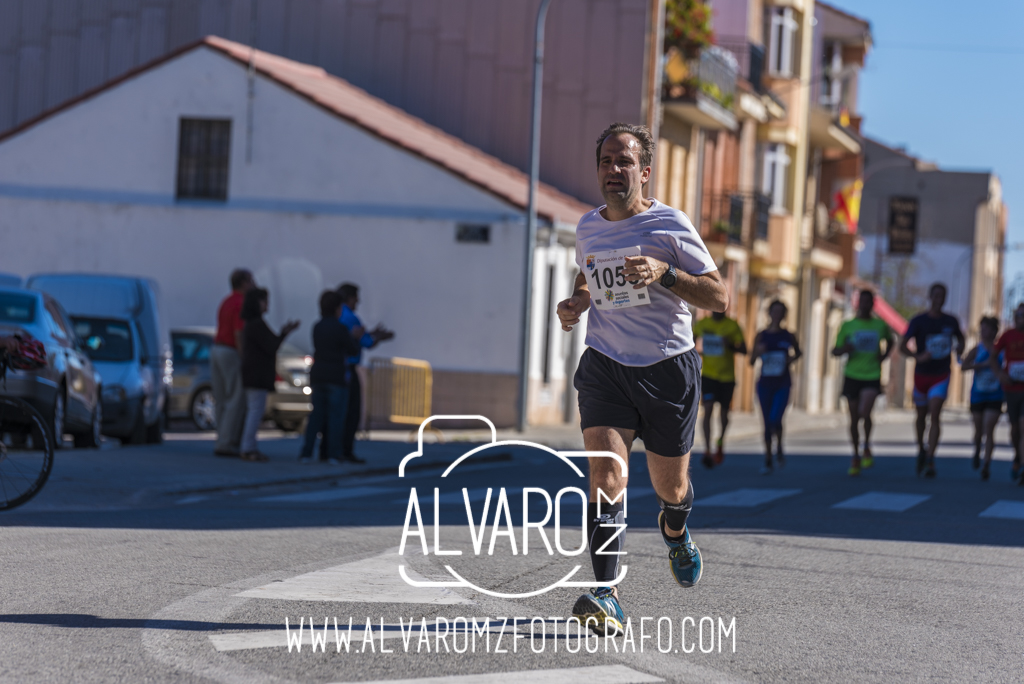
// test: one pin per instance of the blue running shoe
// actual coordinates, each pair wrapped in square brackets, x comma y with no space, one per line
[684,556]
[602,610]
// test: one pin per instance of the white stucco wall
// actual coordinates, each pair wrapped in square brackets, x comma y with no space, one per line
[92,189]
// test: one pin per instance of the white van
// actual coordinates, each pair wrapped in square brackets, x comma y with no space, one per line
[121,325]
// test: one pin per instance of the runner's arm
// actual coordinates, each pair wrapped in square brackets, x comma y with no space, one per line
[740,347]
[570,310]
[890,344]
[840,350]
[796,350]
[756,354]
[968,363]
[705,291]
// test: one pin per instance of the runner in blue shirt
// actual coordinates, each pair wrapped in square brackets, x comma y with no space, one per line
[986,391]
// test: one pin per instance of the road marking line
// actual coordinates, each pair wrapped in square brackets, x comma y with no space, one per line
[372,580]
[333,494]
[1008,510]
[744,498]
[604,674]
[883,501]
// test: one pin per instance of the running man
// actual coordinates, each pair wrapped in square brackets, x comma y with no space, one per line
[860,340]
[640,374]
[933,332]
[986,392]
[778,350]
[721,340]
[1010,347]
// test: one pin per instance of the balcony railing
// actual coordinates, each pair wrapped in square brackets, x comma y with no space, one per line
[750,58]
[713,73]
[736,217]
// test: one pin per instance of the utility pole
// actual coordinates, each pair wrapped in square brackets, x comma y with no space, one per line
[531,211]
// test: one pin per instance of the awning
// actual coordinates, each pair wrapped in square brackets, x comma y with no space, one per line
[888,314]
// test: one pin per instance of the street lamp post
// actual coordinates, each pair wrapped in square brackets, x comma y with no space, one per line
[531,210]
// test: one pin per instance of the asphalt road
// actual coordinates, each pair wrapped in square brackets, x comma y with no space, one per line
[166,564]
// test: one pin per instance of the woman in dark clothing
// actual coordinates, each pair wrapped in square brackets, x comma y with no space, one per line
[259,366]
[778,349]
[332,345]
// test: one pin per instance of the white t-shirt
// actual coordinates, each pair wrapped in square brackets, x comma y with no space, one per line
[644,335]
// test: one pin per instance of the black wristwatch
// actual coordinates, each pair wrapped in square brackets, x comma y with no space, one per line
[669,278]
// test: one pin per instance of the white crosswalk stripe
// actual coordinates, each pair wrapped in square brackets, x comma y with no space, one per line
[1009,510]
[744,498]
[883,501]
[372,580]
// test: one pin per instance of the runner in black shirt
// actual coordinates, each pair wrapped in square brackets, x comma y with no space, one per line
[933,333]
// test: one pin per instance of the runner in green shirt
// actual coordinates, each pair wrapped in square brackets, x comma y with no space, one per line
[860,339]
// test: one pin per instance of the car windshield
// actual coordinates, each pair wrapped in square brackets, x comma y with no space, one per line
[104,339]
[191,348]
[17,308]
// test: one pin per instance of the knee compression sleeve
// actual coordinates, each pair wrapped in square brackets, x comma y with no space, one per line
[606,563]
[677,513]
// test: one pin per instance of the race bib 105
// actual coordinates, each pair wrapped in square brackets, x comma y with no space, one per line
[609,289]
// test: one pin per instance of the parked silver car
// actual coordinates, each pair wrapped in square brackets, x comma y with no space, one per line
[67,390]
[191,393]
[122,318]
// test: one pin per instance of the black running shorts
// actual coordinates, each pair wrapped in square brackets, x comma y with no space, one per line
[658,401]
[717,392]
[852,387]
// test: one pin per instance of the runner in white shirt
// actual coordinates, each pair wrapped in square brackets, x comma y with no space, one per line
[640,377]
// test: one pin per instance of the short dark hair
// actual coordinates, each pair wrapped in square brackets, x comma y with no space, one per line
[941,286]
[867,293]
[239,277]
[251,303]
[779,302]
[330,300]
[642,135]
[347,291]
[989,320]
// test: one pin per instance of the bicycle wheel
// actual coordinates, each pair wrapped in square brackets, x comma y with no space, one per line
[26,452]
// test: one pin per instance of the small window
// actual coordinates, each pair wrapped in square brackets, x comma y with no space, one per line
[17,308]
[774,176]
[466,232]
[781,42]
[204,152]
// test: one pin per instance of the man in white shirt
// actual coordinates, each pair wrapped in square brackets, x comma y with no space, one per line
[639,260]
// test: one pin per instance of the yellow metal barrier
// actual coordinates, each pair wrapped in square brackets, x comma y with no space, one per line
[399,391]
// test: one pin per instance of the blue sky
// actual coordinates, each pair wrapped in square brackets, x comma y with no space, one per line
[945,78]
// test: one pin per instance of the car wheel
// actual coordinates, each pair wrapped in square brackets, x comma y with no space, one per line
[57,419]
[204,410]
[91,439]
[155,432]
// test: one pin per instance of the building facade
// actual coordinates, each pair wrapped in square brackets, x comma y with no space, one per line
[162,173]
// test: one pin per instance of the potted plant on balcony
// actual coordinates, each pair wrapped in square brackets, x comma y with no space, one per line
[688,27]
[720,231]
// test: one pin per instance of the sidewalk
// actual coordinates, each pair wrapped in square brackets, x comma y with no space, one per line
[184,467]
